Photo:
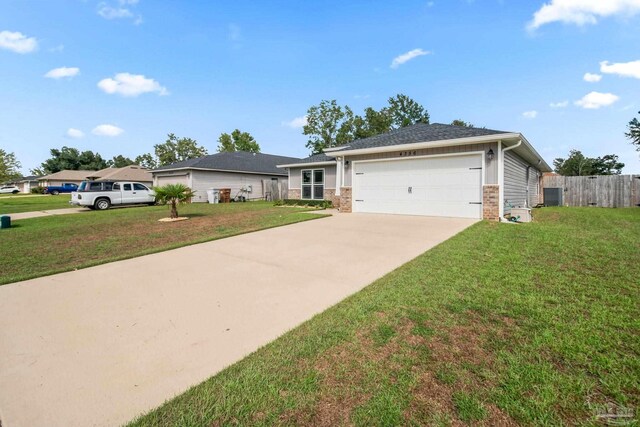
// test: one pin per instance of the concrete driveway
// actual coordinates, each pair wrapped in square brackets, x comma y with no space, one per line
[101,345]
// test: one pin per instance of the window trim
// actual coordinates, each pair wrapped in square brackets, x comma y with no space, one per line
[313,183]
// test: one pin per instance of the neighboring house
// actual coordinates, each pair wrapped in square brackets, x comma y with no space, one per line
[128,173]
[433,170]
[63,177]
[238,171]
[133,173]
[25,184]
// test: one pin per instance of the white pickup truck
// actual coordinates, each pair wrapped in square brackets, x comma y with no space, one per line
[102,195]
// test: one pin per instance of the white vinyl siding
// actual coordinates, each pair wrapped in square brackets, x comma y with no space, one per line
[205,180]
[518,190]
[161,180]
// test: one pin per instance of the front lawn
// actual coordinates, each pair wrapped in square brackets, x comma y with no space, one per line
[529,324]
[41,246]
[11,204]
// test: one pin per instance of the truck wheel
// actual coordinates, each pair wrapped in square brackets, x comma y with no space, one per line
[102,204]
[55,193]
[15,191]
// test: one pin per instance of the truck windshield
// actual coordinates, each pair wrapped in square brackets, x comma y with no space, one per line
[82,186]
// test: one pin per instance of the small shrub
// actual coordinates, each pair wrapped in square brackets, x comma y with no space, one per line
[37,190]
[322,204]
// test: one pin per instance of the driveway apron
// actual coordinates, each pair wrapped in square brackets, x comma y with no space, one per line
[101,345]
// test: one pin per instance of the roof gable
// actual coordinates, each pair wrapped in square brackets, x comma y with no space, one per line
[238,161]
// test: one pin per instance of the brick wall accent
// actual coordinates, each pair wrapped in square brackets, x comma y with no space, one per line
[294,194]
[345,199]
[491,202]
[331,196]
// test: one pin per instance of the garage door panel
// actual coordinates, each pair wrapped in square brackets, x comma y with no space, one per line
[443,186]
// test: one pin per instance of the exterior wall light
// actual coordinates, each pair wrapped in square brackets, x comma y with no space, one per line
[490,154]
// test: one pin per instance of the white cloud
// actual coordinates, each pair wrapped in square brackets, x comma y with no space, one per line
[401,59]
[561,104]
[581,12]
[126,84]
[623,69]
[119,10]
[595,100]
[107,130]
[296,123]
[58,48]
[17,42]
[592,78]
[109,12]
[58,73]
[74,133]
[530,114]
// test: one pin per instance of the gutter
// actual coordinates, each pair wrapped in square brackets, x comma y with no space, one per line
[501,180]
[301,165]
[431,144]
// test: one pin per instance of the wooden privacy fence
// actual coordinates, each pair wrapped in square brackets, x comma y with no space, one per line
[275,189]
[606,191]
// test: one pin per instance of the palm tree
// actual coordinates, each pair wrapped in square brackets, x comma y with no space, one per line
[173,194]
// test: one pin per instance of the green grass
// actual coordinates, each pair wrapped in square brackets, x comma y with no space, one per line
[42,246]
[528,324]
[28,203]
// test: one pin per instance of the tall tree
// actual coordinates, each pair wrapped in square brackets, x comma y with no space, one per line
[577,164]
[68,158]
[178,149]
[120,161]
[634,132]
[459,122]
[328,125]
[9,166]
[146,160]
[237,141]
[373,123]
[607,165]
[405,111]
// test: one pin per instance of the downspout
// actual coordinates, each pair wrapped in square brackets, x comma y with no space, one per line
[501,176]
[339,173]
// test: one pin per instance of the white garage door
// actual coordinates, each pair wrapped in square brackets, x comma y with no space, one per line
[175,179]
[435,186]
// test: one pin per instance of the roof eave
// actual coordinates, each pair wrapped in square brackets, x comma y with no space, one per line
[215,170]
[296,165]
[541,164]
[428,144]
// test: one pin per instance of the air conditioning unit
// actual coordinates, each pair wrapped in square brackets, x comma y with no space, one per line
[553,196]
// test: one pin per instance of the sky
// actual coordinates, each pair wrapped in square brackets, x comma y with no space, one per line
[116,76]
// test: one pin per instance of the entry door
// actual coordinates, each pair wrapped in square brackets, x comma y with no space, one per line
[434,186]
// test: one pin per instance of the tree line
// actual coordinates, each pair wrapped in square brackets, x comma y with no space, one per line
[328,125]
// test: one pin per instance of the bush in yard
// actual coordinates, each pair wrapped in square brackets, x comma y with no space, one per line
[173,194]
[322,204]
[37,190]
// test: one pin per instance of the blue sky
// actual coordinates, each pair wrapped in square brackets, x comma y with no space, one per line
[116,76]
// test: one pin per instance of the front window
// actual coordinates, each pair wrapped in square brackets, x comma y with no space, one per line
[313,184]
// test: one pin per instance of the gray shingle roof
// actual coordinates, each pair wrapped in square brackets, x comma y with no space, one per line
[239,161]
[419,133]
[317,158]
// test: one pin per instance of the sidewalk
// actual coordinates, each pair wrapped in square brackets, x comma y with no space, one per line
[38,214]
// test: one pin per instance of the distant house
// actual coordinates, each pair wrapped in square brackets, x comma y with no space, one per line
[25,184]
[242,172]
[63,177]
[127,173]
